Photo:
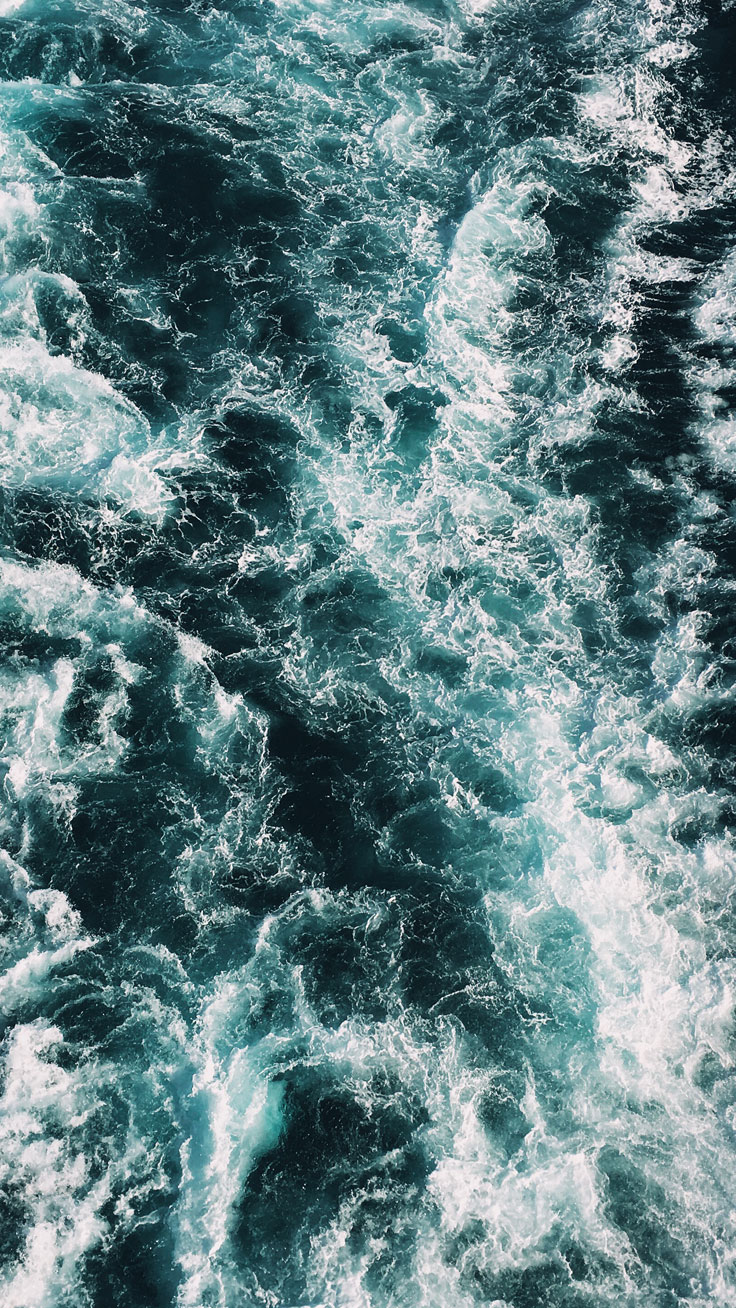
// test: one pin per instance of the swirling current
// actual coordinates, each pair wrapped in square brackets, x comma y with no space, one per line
[368,711]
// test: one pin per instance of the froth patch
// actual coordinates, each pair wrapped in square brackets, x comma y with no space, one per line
[714,319]
[41,1104]
[64,426]
[20,213]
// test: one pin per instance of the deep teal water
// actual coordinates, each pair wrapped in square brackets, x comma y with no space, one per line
[367,715]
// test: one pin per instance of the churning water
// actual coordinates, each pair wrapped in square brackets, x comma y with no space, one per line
[367,576]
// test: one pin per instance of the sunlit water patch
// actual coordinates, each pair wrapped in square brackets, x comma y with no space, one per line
[367,567]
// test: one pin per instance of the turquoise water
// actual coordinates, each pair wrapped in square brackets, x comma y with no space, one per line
[367,568]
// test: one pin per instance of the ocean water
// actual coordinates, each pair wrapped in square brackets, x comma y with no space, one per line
[368,712]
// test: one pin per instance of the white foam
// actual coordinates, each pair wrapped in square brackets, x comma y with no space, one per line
[62,424]
[715,321]
[27,979]
[233,1114]
[20,214]
[46,1167]
[599,804]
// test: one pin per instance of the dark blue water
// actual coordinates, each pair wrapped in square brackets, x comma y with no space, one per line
[368,719]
